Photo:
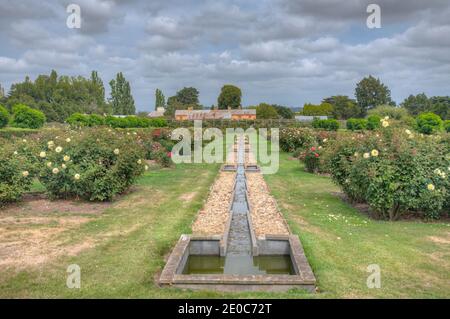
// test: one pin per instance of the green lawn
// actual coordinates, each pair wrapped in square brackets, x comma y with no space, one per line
[133,236]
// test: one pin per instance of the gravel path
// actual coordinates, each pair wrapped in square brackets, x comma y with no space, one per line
[212,218]
[265,216]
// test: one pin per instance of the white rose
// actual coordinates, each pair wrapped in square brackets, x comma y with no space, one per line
[42,154]
[55,171]
[58,149]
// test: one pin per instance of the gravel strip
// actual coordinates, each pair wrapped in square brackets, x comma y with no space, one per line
[212,218]
[265,216]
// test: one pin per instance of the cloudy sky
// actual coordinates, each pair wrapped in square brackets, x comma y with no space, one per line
[278,51]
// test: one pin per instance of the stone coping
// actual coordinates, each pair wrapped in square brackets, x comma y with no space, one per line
[304,278]
[229,168]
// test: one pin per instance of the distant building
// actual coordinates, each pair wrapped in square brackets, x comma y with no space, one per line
[158,113]
[304,118]
[230,114]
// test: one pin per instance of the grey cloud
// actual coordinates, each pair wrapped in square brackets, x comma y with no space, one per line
[280,51]
[392,11]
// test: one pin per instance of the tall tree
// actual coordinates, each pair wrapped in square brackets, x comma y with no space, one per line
[441,106]
[343,107]
[188,96]
[160,99]
[2,92]
[230,97]
[97,88]
[266,111]
[371,92]
[122,101]
[59,96]
[416,104]
[284,111]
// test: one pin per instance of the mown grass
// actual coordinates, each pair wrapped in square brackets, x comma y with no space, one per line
[340,242]
[136,233]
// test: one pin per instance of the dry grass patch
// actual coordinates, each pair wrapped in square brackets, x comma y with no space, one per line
[440,240]
[30,232]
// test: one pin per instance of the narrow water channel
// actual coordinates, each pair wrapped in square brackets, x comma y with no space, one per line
[239,259]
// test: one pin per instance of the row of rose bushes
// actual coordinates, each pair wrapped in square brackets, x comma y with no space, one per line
[92,164]
[394,170]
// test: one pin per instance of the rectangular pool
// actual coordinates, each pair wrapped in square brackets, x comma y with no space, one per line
[239,265]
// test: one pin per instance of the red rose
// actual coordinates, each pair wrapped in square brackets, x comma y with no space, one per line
[316,155]
[169,154]
[313,149]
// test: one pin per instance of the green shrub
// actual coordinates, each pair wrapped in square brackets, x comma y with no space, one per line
[317,110]
[134,122]
[373,122]
[158,122]
[16,171]
[26,117]
[4,116]
[78,120]
[356,124]
[94,164]
[95,120]
[447,126]
[328,125]
[428,123]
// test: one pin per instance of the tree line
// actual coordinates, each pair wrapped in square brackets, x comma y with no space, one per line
[58,97]
[371,93]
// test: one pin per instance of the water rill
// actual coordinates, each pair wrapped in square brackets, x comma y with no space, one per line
[233,256]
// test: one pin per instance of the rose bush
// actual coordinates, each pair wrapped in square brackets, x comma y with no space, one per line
[94,164]
[294,138]
[394,172]
[311,158]
[16,171]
